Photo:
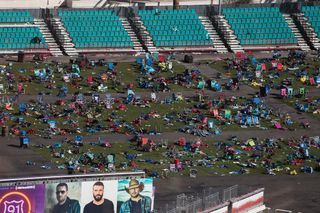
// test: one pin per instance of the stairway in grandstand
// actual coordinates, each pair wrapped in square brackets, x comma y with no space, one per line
[227,34]
[52,45]
[176,30]
[63,37]
[144,35]
[217,43]
[301,42]
[260,28]
[136,44]
[18,33]
[310,22]
[93,30]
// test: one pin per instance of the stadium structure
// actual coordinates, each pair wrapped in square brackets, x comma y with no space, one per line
[72,27]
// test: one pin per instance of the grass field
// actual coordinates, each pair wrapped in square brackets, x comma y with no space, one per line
[310,65]
[208,161]
[127,72]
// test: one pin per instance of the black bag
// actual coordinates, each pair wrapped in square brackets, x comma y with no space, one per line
[20,56]
[188,59]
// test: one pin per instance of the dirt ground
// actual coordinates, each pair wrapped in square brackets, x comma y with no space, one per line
[298,193]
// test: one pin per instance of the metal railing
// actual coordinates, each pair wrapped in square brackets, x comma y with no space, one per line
[203,202]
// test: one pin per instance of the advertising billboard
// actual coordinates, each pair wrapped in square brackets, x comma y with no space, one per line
[124,195]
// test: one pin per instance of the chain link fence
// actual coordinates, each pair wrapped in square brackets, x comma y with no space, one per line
[208,199]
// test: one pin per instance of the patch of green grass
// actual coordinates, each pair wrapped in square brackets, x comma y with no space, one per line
[215,164]
[127,72]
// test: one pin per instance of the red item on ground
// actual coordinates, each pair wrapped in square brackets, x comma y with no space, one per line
[182,141]
[162,58]
[121,107]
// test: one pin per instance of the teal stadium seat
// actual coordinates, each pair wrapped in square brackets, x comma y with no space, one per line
[261,25]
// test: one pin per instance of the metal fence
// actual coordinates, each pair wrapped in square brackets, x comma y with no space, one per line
[230,193]
[208,199]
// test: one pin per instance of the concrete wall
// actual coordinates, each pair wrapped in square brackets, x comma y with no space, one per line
[248,202]
[29,4]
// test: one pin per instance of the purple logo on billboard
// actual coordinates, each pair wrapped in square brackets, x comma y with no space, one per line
[14,206]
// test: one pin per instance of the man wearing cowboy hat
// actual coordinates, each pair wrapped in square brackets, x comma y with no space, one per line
[137,202]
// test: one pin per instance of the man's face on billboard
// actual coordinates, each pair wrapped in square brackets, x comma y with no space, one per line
[134,192]
[98,193]
[62,194]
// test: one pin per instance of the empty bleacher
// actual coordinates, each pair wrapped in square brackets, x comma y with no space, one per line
[313,15]
[20,38]
[95,29]
[15,16]
[18,33]
[259,26]
[175,28]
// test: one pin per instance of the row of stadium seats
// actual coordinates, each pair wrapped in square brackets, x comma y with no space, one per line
[178,32]
[251,10]
[260,25]
[181,43]
[252,15]
[262,30]
[15,19]
[190,28]
[253,28]
[314,18]
[267,41]
[172,22]
[254,21]
[182,38]
[15,40]
[313,15]
[101,27]
[310,8]
[89,18]
[92,24]
[103,44]
[265,36]
[167,12]
[96,29]
[22,46]
[170,17]
[7,13]
[173,28]
[101,39]
[85,12]
[19,29]
[94,33]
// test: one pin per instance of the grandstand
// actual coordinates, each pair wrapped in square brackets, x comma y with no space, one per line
[175,28]
[138,27]
[310,22]
[18,32]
